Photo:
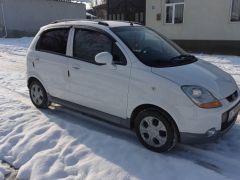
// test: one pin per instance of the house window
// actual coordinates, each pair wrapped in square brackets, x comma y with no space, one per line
[141,17]
[136,17]
[235,15]
[174,11]
[118,17]
[122,16]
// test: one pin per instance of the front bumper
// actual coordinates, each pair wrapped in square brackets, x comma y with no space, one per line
[192,138]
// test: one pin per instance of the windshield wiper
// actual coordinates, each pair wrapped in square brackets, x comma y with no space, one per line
[184,57]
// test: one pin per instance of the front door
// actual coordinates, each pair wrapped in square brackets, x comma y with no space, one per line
[94,85]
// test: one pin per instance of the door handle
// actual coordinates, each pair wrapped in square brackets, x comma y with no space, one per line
[36,59]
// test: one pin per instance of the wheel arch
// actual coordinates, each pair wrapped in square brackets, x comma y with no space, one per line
[31,79]
[151,106]
[47,100]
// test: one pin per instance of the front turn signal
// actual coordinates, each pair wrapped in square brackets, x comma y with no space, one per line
[210,105]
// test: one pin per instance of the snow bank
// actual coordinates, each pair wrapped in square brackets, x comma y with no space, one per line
[1,175]
[61,144]
[20,42]
[4,170]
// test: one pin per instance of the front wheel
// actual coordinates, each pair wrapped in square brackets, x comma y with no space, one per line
[38,95]
[154,130]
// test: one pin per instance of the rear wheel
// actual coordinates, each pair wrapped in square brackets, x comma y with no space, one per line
[154,130]
[38,95]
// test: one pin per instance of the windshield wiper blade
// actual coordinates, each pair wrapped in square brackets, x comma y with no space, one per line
[184,57]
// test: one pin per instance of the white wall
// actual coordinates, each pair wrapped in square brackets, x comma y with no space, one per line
[203,20]
[29,15]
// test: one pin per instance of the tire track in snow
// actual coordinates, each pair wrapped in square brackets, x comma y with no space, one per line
[11,159]
[9,172]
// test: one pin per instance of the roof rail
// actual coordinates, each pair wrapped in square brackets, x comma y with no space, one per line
[100,22]
[66,20]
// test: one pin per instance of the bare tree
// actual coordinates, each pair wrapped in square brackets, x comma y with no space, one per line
[98,2]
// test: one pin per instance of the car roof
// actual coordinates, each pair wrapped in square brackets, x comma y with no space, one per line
[95,23]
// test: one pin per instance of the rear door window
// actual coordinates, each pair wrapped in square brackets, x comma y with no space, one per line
[53,41]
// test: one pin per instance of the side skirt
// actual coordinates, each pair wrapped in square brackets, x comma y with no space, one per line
[92,112]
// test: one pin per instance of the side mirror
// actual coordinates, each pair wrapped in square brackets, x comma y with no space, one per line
[104,58]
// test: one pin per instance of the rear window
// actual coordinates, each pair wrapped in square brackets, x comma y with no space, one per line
[53,41]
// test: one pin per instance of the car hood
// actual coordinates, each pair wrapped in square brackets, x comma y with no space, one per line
[200,73]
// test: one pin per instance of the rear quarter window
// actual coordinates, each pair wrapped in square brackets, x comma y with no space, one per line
[53,41]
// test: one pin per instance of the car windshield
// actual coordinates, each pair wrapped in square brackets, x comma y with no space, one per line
[151,48]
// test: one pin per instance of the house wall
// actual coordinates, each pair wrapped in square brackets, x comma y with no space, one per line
[203,20]
[25,17]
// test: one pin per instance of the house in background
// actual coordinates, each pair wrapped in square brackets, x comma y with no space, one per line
[127,10]
[121,10]
[90,16]
[202,25]
[25,17]
[100,11]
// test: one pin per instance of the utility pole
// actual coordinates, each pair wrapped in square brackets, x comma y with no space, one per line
[3,18]
[107,7]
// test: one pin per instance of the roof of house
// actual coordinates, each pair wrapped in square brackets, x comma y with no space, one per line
[101,6]
[91,15]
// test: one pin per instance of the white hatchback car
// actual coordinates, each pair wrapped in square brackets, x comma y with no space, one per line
[130,75]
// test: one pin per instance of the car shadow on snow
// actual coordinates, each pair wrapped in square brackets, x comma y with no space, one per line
[94,124]
[121,147]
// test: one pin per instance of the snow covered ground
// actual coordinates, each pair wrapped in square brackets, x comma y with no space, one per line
[61,144]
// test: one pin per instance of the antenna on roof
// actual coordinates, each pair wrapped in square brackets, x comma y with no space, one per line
[103,23]
[136,23]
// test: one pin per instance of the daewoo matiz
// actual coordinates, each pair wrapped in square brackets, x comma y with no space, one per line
[132,76]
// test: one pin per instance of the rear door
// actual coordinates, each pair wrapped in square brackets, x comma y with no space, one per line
[51,63]
[94,85]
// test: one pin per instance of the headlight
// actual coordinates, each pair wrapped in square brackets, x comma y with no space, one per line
[201,97]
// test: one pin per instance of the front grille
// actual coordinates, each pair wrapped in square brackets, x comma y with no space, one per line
[232,97]
[226,124]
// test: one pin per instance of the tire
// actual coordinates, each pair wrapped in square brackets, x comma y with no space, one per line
[38,95]
[154,130]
